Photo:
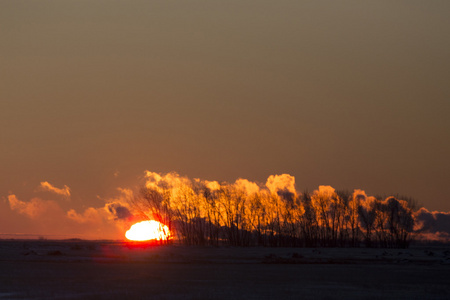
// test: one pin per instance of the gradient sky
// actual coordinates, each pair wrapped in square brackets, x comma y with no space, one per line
[352,94]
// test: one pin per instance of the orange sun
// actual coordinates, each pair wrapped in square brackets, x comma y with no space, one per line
[148,230]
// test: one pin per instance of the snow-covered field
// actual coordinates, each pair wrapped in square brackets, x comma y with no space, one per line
[115,270]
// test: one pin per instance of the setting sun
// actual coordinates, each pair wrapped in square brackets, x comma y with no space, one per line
[148,230]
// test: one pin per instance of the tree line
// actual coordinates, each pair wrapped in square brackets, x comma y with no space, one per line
[245,214]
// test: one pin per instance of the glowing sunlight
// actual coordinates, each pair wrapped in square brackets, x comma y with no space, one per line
[148,230]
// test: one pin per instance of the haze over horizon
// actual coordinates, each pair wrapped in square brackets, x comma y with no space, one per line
[349,94]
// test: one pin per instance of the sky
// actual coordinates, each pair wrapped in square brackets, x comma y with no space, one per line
[352,94]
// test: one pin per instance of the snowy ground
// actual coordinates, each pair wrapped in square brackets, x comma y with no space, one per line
[115,270]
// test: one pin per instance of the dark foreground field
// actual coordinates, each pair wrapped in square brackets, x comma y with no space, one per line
[107,270]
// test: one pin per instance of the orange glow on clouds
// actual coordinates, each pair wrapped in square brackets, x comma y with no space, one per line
[148,230]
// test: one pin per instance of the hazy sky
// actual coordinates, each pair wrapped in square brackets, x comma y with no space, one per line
[352,94]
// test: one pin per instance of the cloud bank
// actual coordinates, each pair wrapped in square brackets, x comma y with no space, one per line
[116,215]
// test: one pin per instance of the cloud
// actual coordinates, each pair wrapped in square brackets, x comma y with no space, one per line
[283,185]
[37,216]
[249,187]
[167,181]
[126,195]
[90,215]
[113,217]
[109,221]
[118,211]
[34,208]
[433,226]
[325,192]
[359,195]
[212,185]
[46,186]
[46,217]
